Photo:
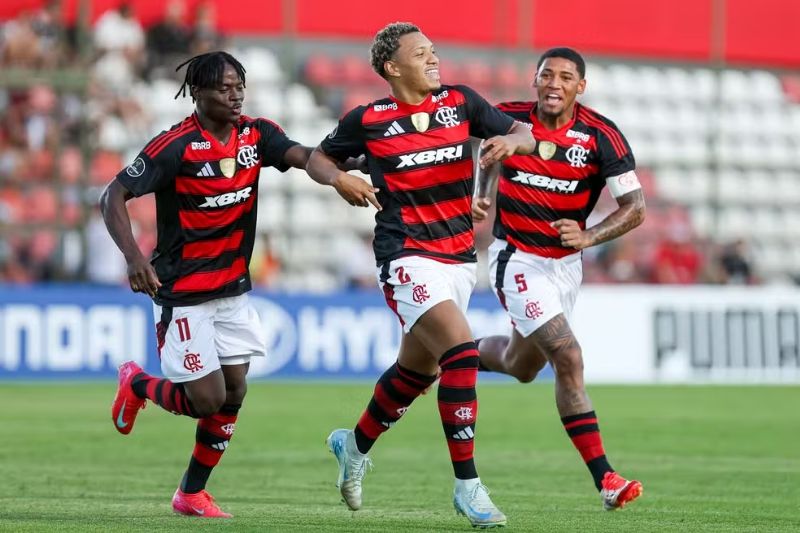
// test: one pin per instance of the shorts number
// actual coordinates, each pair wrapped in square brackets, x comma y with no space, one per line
[522,285]
[402,275]
[183,329]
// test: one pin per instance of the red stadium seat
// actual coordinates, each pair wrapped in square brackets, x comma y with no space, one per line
[791,87]
[357,70]
[42,204]
[321,70]
[105,166]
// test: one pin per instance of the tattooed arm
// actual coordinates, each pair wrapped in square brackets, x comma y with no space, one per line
[627,216]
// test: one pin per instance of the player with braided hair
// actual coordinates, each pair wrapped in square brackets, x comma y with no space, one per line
[204,172]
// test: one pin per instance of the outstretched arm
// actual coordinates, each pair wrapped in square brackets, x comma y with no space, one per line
[297,156]
[325,170]
[629,214]
[519,140]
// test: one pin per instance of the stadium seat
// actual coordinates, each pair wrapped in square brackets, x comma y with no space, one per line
[356,70]
[320,69]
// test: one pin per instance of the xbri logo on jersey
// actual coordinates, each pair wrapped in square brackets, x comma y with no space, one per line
[228,198]
[431,156]
[447,117]
[247,156]
[546,182]
[576,155]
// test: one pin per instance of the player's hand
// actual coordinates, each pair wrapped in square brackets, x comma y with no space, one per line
[356,191]
[480,208]
[572,236]
[496,149]
[142,277]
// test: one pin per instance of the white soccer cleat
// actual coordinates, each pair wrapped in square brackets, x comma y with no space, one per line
[474,503]
[352,466]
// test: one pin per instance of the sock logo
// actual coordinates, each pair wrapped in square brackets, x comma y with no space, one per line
[228,428]
[464,413]
[401,411]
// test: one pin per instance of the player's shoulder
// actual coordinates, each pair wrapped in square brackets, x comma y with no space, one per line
[594,119]
[174,139]
[517,109]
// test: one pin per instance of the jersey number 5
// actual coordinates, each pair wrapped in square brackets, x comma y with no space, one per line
[522,285]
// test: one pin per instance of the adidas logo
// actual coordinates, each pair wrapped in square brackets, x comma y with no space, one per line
[206,170]
[220,445]
[464,434]
[394,129]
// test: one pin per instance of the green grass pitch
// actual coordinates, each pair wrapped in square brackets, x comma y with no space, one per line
[710,459]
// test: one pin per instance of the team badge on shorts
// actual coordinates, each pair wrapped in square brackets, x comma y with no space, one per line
[421,121]
[419,293]
[547,150]
[191,362]
[228,167]
[533,310]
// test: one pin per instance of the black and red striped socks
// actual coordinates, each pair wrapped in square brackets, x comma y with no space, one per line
[458,406]
[211,440]
[585,435]
[170,396]
[394,392]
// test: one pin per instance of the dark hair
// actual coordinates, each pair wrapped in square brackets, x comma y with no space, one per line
[565,53]
[205,71]
[386,43]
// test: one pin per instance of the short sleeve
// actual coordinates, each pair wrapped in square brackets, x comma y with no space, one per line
[154,169]
[273,144]
[614,153]
[485,120]
[347,139]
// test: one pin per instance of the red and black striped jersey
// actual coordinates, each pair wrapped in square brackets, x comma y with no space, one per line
[206,199]
[420,158]
[563,178]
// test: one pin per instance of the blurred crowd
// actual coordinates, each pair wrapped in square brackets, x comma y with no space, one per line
[69,116]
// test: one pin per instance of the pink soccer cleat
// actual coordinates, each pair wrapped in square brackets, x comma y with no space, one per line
[126,404]
[617,491]
[198,504]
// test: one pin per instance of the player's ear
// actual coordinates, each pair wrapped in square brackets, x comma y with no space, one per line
[391,69]
[582,86]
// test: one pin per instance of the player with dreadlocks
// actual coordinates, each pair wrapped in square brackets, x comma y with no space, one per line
[204,172]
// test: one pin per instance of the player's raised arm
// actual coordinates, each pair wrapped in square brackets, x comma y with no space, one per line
[325,170]
[141,274]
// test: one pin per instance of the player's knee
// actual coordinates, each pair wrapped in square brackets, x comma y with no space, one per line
[235,393]
[568,361]
[209,403]
[526,375]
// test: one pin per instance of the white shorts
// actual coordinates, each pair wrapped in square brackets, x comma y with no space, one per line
[414,284]
[194,341]
[533,289]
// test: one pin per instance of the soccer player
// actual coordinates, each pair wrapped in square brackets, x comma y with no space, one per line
[543,200]
[417,146]
[204,173]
